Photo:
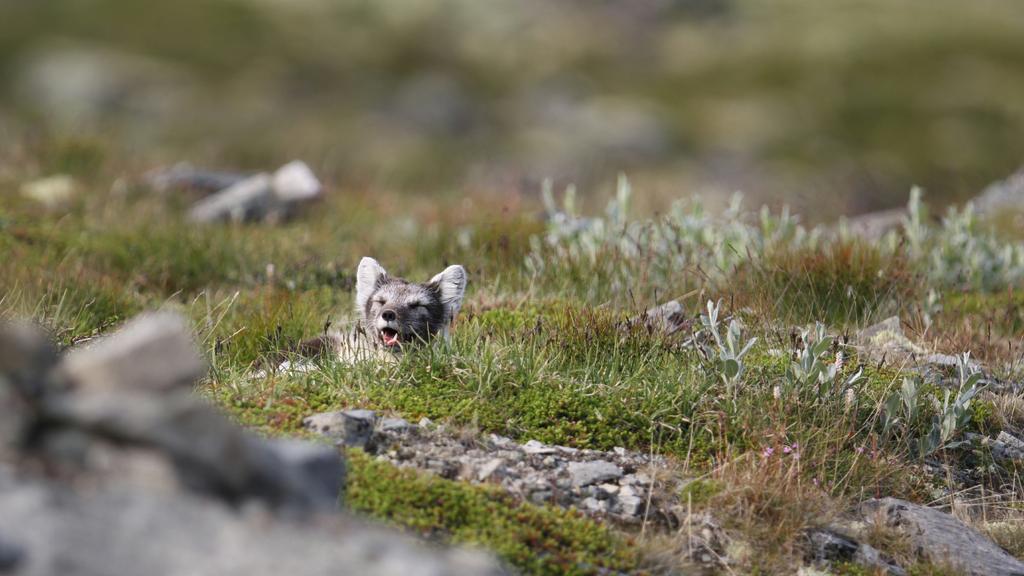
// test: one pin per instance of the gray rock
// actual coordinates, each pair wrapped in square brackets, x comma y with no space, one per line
[827,546]
[11,556]
[491,468]
[537,448]
[263,196]
[184,175]
[629,503]
[128,466]
[153,351]
[1004,195]
[668,318]
[354,428]
[249,199]
[118,531]
[396,425]
[941,538]
[885,341]
[210,453]
[331,424]
[321,467]
[541,497]
[594,506]
[587,473]
[1011,441]
[26,360]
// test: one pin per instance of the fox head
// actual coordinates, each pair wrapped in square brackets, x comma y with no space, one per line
[396,312]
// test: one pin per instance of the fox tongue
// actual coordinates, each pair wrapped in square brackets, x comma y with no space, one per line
[389,337]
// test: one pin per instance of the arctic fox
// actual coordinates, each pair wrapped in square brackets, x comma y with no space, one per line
[393,315]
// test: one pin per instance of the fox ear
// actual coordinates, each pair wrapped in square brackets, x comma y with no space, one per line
[369,273]
[451,283]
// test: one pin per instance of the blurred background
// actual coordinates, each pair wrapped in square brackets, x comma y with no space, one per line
[832,107]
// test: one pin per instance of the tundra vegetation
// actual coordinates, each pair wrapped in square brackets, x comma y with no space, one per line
[758,397]
[419,115]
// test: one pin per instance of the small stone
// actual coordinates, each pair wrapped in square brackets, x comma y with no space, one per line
[609,488]
[540,496]
[426,423]
[629,503]
[668,318]
[535,447]
[396,425]
[594,506]
[489,469]
[354,428]
[1011,441]
[502,441]
[619,451]
[587,473]
[321,467]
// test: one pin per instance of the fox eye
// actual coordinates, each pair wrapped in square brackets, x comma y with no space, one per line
[416,305]
[379,301]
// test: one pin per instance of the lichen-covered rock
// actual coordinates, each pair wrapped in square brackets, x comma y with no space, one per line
[940,538]
[587,473]
[828,546]
[353,428]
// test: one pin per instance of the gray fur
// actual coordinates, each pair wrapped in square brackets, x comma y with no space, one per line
[414,312]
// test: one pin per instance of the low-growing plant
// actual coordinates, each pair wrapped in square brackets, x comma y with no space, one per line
[818,366]
[723,353]
[926,423]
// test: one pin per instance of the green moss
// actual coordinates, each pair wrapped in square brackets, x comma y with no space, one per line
[534,539]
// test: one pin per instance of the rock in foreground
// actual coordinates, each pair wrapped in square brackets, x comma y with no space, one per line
[109,468]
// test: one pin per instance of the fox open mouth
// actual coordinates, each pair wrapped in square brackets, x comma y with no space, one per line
[389,336]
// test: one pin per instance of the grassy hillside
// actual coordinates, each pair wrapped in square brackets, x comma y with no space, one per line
[543,348]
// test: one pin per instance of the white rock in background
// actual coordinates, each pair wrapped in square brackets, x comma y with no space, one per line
[52,191]
[245,200]
[269,197]
[295,182]
[1004,195]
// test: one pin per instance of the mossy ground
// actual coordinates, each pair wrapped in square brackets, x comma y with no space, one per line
[534,539]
